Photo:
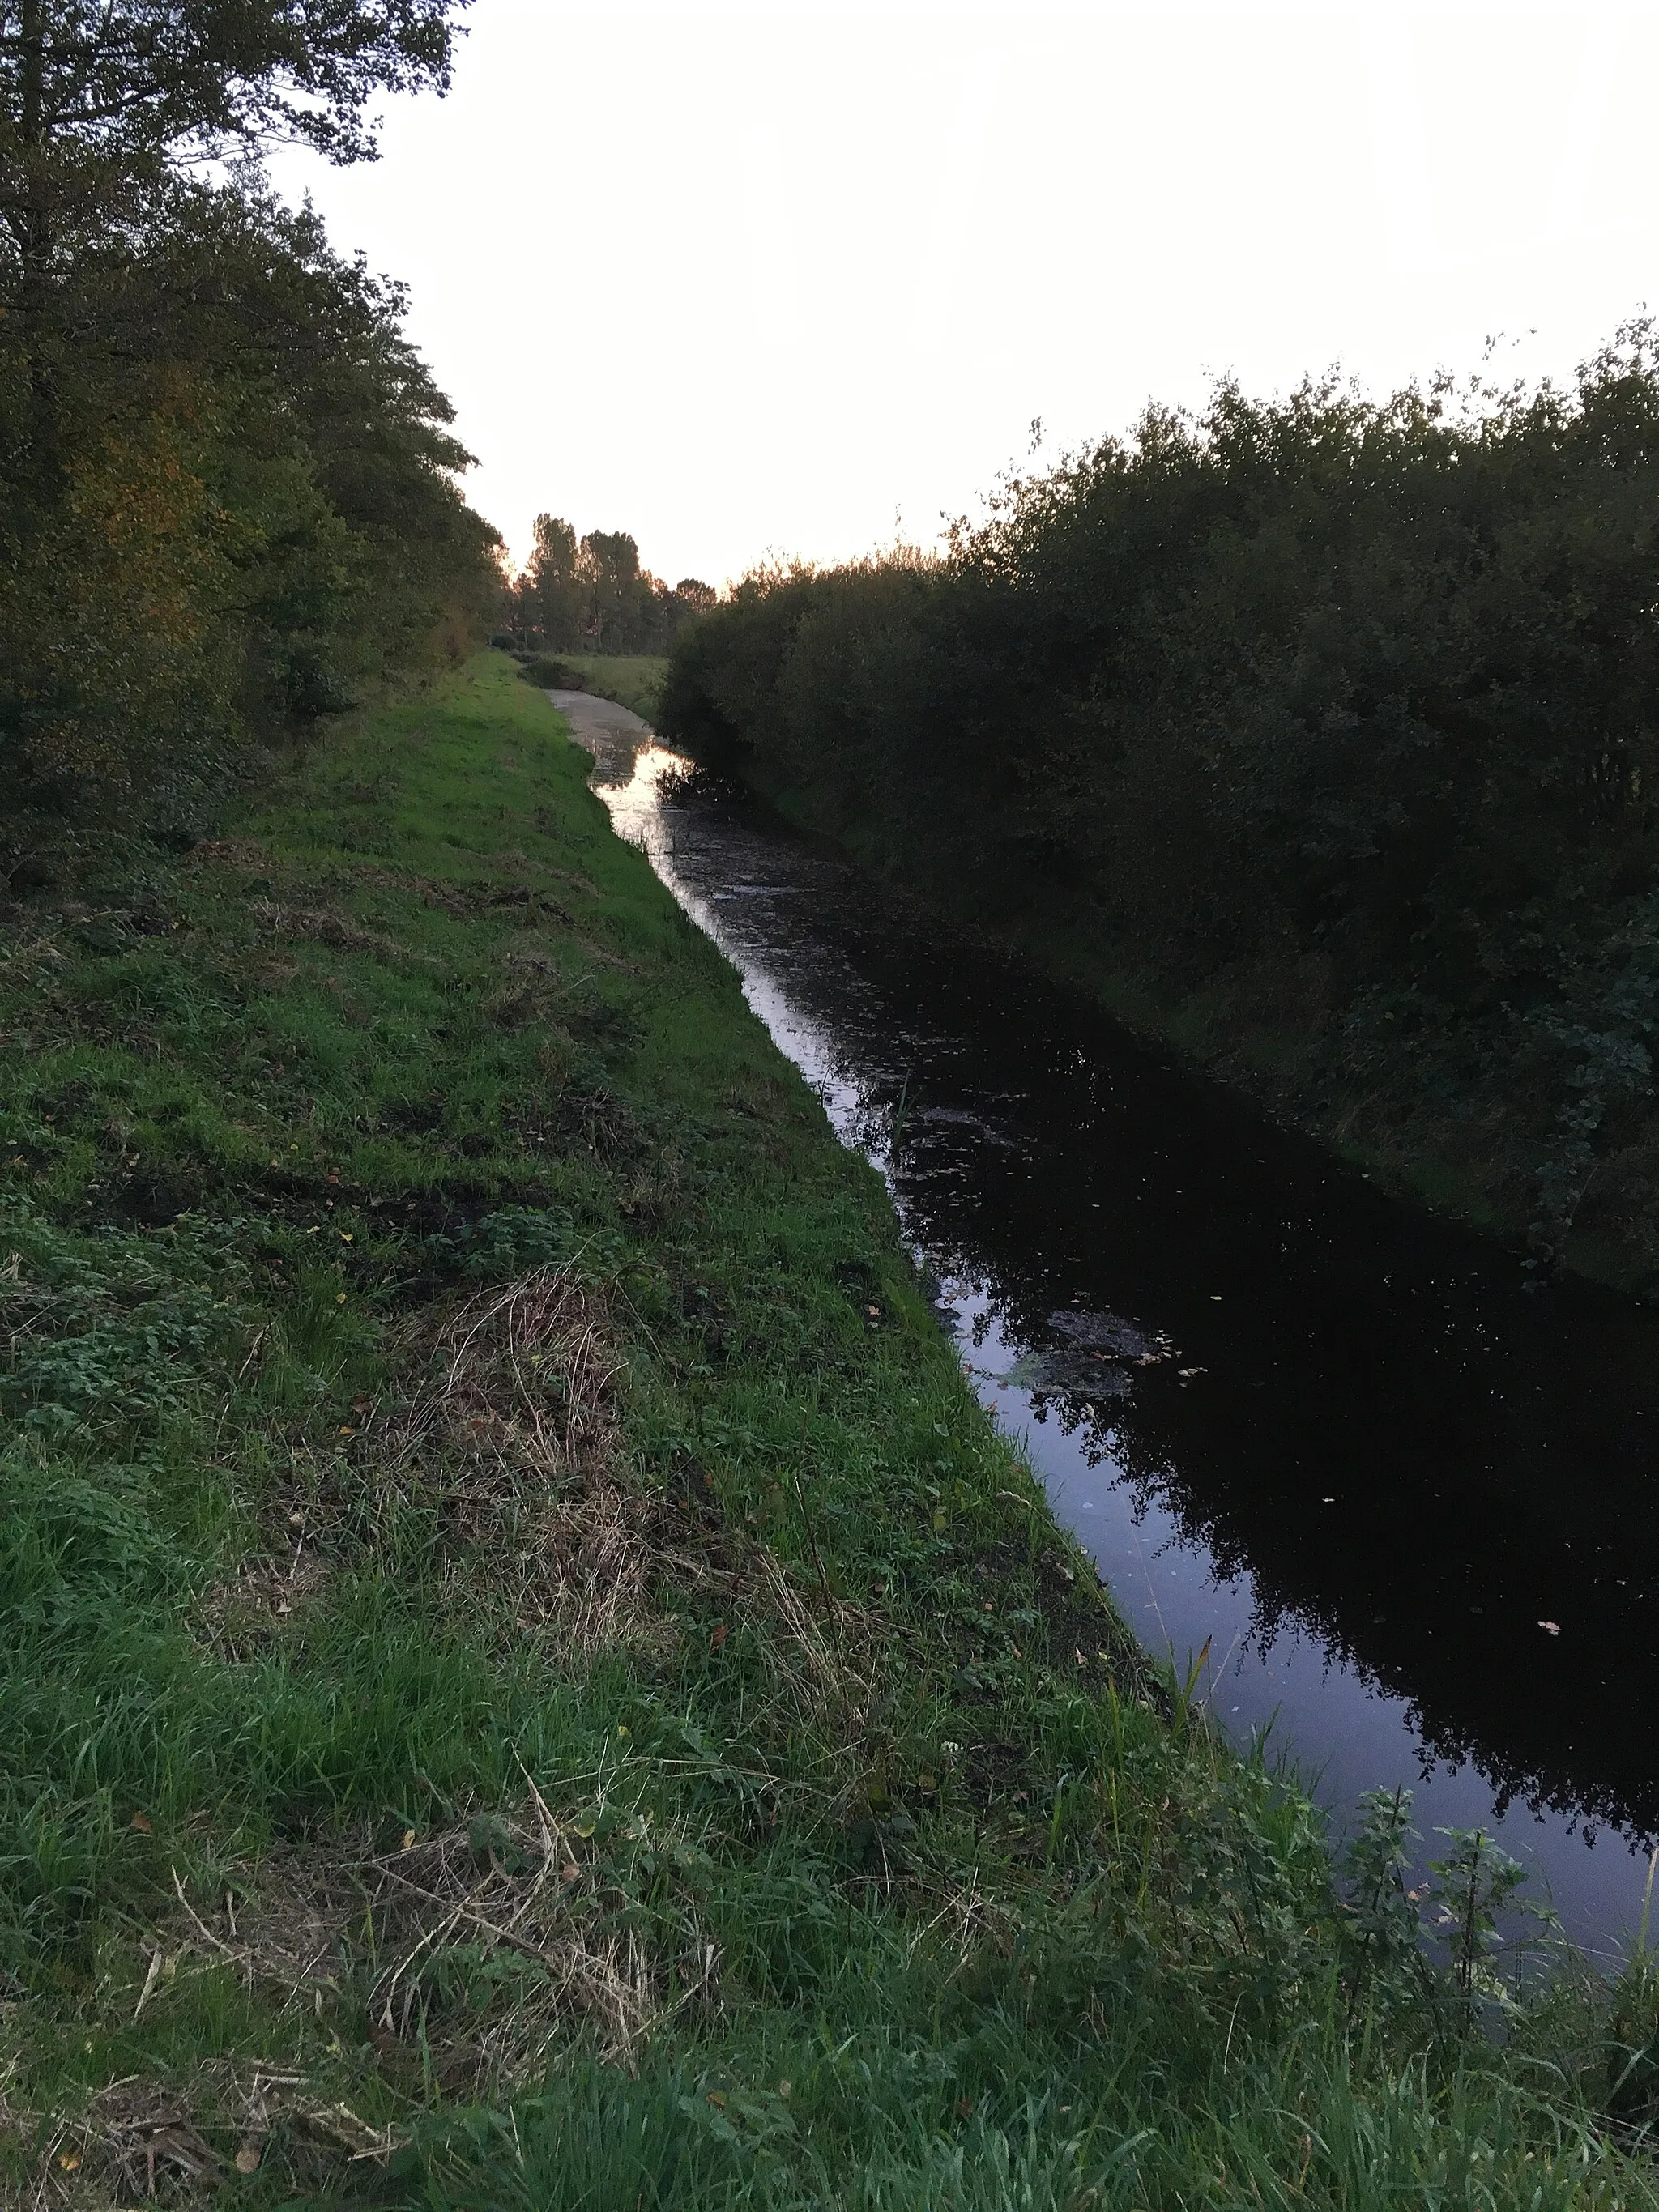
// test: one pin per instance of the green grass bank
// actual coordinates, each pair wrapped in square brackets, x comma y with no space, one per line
[632,679]
[528,1680]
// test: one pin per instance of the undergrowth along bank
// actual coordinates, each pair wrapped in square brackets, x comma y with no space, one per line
[1315,735]
[526,1677]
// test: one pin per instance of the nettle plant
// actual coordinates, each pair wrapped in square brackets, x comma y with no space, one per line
[1471,1905]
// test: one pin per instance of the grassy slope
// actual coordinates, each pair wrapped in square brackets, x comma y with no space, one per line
[505,1593]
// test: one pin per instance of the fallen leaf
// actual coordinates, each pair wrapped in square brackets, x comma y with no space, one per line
[409,1837]
[68,2159]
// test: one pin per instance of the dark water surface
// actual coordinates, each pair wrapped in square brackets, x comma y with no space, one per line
[1410,1504]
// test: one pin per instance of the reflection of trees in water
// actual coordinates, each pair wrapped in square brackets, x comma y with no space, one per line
[1455,1724]
[1364,1385]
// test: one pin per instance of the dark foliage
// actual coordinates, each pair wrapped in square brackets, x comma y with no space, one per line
[227,500]
[592,596]
[235,511]
[1329,727]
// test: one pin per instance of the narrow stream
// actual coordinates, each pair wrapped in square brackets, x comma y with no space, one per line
[1407,1503]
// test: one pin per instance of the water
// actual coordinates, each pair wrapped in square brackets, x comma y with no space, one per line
[1407,1503]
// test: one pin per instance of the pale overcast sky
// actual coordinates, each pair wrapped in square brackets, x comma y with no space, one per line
[758,281]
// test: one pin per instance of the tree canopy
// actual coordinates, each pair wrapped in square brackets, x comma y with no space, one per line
[97,95]
[228,484]
[592,594]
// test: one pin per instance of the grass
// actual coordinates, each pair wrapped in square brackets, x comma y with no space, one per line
[632,679]
[526,1678]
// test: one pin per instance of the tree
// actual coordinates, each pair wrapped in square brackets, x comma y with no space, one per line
[250,520]
[611,571]
[557,584]
[99,95]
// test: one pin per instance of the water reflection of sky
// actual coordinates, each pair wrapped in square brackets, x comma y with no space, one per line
[1066,1375]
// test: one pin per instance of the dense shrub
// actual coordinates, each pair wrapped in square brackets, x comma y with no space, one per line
[1337,718]
[227,489]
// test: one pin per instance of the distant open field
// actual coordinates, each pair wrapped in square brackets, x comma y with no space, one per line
[632,679]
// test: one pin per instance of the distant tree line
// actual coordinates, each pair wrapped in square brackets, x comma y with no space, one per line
[590,595]
[1323,730]
[228,486]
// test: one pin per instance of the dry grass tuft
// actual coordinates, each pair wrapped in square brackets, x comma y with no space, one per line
[516,1418]
[289,1930]
[245,854]
[240,1616]
[454,1910]
[592,1564]
[142,2139]
[518,1385]
[326,925]
[473,1949]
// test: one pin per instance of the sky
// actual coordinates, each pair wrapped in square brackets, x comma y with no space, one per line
[787,280]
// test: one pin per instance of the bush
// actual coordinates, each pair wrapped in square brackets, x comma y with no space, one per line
[1337,718]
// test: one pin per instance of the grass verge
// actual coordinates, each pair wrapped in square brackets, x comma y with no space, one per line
[632,679]
[527,1679]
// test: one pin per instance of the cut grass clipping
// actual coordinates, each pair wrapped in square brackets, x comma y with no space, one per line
[527,1679]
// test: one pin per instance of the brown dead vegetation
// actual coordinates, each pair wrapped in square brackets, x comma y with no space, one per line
[467,899]
[467,1952]
[515,1426]
[245,855]
[517,1386]
[400,1931]
[526,1885]
[326,925]
[141,2139]
[239,1617]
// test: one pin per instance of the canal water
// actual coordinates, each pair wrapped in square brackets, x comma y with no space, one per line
[1396,1506]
